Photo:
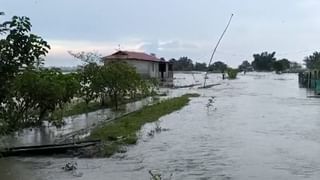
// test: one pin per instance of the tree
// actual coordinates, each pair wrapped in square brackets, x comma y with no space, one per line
[89,75]
[278,67]
[313,61]
[183,64]
[200,66]
[294,66]
[19,50]
[263,61]
[218,67]
[42,92]
[90,82]
[36,95]
[123,80]
[281,65]
[245,66]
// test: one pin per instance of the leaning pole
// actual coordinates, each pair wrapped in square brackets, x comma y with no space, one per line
[215,49]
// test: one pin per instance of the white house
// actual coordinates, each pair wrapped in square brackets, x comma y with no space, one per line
[148,66]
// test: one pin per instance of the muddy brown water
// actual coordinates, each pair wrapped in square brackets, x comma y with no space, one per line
[260,126]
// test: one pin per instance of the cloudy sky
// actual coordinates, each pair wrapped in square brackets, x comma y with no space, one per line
[173,28]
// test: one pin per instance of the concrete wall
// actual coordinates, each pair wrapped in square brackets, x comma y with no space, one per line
[149,69]
[145,68]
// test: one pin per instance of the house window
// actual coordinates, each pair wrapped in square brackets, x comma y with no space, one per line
[152,67]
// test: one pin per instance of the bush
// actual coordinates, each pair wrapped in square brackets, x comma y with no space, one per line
[232,73]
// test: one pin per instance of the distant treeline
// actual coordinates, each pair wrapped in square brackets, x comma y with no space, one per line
[186,64]
[261,62]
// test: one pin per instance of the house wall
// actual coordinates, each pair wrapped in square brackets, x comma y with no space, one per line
[145,68]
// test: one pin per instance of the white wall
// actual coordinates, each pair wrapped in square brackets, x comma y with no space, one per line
[145,68]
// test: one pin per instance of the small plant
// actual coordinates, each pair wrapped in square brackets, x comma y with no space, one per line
[232,73]
[155,175]
[210,102]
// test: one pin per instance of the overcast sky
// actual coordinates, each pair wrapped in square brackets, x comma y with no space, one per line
[173,28]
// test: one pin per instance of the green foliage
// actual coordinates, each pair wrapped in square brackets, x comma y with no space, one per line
[218,67]
[245,66]
[123,131]
[313,61]
[232,73]
[263,61]
[19,50]
[122,80]
[90,81]
[89,75]
[200,66]
[183,64]
[281,65]
[278,67]
[35,95]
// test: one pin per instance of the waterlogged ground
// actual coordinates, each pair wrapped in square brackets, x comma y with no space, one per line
[260,126]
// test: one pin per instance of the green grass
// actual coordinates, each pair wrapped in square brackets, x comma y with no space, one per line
[232,73]
[123,131]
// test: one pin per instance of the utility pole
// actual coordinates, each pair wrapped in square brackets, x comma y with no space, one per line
[215,49]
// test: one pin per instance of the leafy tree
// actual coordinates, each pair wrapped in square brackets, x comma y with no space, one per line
[41,92]
[278,67]
[200,66]
[263,61]
[281,65]
[285,62]
[89,75]
[245,66]
[19,50]
[36,95]
[313,61]
[218,67]
[90,82]
[183,64]
[123,80]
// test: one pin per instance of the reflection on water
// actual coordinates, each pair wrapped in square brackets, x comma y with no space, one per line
[262,126]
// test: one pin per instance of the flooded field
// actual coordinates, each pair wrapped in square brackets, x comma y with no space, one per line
[260,126]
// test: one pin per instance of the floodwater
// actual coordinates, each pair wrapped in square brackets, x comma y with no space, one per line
[260,126]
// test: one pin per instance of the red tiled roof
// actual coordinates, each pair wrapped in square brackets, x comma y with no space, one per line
[130,55]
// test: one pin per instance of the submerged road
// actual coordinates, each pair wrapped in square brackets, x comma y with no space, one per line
[260,126]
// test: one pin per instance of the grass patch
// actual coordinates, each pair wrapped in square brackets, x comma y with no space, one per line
[123,131]
[193,95]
